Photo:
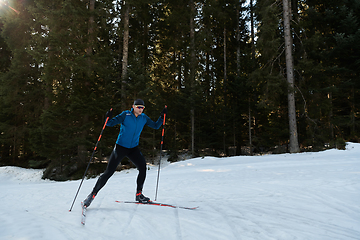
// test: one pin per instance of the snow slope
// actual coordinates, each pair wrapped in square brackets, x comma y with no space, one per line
[287,196]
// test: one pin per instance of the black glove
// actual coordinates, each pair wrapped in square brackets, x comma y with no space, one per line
[164,111]
[109,114]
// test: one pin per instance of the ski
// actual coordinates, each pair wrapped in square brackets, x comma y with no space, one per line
[83,214]
[159,204]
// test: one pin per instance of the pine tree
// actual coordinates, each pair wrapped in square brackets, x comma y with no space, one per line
[326,59]
[19,87]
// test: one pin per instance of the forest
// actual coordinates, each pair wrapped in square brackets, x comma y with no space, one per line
[238,77]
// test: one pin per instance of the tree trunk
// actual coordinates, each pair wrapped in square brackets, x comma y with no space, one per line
[225,99]
[238,50]
[250,135]
[238,66]
[225,67]
[192,75]
[252,32]
[294,145]
[125,56]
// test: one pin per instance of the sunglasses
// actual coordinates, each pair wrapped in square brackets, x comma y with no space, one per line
[140,106]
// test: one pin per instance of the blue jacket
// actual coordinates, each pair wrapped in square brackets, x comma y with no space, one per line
[131,127]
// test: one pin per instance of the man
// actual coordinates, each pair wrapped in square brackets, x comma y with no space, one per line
[132,123]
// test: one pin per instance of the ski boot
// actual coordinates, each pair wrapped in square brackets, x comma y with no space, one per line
[141,198]
[88,200]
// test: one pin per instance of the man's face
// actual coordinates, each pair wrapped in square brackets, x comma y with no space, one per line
[138,109]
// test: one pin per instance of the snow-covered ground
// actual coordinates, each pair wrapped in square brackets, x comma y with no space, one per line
[289,196]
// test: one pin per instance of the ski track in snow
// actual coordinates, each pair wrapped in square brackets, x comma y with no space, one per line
[287,196]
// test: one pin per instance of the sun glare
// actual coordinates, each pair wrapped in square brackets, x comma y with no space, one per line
[4,4]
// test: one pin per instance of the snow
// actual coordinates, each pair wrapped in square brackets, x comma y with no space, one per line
[287,196]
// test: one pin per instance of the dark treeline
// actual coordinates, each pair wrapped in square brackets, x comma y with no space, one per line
[219,66]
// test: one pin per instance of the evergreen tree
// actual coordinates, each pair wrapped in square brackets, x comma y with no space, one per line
[63,65]
[269,80]
[329,111]
[19,86]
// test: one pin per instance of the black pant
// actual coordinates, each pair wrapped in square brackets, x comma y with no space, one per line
[119,152]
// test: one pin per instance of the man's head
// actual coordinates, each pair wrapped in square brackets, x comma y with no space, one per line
[138,107]
[139,102]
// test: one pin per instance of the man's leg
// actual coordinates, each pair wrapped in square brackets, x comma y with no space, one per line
[115,158]
[138,159]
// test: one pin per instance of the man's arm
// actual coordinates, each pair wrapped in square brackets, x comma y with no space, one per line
[116,120]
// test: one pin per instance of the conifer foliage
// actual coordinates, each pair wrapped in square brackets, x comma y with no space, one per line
[219,66]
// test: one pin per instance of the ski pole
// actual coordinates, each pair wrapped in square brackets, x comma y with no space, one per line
[162,141]
[92,155]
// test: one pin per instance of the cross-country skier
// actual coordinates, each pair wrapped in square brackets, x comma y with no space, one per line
[132,123]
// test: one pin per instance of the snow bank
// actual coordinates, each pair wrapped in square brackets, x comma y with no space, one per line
[20,174]
[286,196]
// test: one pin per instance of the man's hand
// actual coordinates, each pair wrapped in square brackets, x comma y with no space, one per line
[164,111]
[109,114]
